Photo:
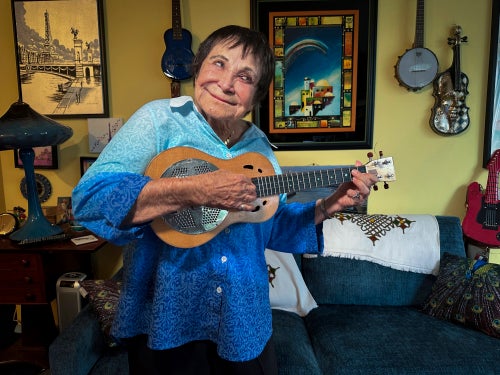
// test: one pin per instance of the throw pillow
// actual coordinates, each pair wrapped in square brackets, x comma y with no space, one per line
[467,294]
[287,289]
[103,296]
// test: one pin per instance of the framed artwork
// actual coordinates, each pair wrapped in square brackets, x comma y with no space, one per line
[492,118]
[323,88]
[101,130]
[85,163]
[45,158]
[60,56]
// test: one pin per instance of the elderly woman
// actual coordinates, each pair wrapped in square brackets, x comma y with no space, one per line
[203,309]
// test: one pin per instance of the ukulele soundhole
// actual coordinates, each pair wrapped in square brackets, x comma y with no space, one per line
[193,220]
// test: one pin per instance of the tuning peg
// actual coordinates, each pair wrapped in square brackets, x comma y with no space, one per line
[375,187]
[386,185]
[381,154]
[370,156]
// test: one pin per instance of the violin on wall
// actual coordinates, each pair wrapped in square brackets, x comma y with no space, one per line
[450,114]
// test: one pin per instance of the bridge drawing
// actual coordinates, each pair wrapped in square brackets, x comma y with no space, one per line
[82,71]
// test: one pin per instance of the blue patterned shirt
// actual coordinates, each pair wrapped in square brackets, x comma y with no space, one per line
[218,291]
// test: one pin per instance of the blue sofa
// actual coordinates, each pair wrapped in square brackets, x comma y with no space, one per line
[368,321]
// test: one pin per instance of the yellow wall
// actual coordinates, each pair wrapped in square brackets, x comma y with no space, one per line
[432,171]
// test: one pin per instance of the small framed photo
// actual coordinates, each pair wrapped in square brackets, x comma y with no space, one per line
[45,158]
[64,209]
[85,163]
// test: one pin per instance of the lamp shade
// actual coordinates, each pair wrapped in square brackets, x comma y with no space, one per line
[22,127]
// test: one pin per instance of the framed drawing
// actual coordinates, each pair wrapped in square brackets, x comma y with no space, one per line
[322,93]
[492,118]
[85,163]
[60,56]
[45,158]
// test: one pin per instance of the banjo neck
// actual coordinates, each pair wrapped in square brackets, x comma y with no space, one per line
[419,26]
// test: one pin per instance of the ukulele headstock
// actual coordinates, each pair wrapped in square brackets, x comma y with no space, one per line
[383,168]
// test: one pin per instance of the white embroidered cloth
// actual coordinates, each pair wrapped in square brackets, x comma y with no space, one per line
[403,242]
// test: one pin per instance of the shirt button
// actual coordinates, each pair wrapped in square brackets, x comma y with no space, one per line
[223,259]
[219,290]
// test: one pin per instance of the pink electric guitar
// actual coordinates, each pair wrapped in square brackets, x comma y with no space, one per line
[482,219]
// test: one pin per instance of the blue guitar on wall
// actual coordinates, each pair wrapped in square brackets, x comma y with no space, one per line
[177,58]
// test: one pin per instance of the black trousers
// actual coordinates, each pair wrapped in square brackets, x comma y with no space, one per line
[195,358]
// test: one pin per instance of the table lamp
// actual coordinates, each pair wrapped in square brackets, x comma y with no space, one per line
[23,128]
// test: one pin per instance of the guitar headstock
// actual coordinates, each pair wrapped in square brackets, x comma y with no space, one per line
[494,161]
[383,168]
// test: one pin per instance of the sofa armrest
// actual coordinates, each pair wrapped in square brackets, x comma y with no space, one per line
[76,350]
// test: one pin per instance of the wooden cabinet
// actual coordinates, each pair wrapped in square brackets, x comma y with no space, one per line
[28,277]
[22,279]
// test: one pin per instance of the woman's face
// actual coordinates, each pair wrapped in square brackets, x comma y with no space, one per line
[226,84]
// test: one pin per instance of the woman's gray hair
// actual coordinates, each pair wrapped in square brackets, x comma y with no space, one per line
[252,41]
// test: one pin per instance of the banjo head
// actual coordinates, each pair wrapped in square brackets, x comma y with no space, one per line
[416,68]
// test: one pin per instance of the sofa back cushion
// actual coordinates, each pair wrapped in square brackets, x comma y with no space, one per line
[333,280]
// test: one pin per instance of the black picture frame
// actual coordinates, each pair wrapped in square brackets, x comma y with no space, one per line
[60,57]
[85,163]
[492,118]
[45,158]
[283,131]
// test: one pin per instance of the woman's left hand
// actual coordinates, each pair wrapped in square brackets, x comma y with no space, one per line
[348,194]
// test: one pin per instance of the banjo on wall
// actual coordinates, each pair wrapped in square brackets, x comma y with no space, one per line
[418,66]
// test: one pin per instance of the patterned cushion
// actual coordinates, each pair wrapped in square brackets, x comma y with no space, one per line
[467,294]
[103,296]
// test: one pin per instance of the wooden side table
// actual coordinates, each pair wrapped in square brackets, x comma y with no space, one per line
[28,276]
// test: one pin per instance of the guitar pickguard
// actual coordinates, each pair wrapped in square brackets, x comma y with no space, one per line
[489,215]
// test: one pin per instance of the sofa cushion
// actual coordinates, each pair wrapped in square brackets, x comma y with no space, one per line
[287,289]
[349,281]
[467,295]
[396,340]
[294,352]
[352,281]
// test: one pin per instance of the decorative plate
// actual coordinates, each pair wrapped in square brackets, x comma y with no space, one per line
[43,187]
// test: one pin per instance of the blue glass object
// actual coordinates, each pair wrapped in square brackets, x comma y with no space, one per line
[23,128]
